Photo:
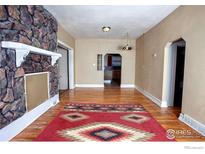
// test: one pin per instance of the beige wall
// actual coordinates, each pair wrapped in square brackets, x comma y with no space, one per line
[186,22]
[86,51]
[65,37]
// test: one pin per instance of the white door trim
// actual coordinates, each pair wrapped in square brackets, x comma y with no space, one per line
[170,56]
[170,53]
[71,64]
[166,75]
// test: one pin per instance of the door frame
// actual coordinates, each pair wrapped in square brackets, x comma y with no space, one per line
[104,67]
[169,72]
[71,64]
[65,54]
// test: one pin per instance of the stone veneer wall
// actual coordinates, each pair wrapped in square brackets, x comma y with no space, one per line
[41,63]
[32,25]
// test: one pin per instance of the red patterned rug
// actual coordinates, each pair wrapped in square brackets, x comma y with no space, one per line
[94,122]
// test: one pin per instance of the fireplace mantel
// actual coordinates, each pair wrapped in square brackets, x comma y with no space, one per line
[22,50]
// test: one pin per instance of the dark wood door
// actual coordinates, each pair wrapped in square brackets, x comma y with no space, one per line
[179,76]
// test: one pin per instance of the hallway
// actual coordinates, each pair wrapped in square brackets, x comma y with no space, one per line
[165,116]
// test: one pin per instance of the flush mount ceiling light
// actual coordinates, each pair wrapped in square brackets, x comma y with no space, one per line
[106,28]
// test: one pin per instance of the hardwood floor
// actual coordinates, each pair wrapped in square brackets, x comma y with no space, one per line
[167,117]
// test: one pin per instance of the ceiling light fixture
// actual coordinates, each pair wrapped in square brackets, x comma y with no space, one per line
[127,46]
[106,28]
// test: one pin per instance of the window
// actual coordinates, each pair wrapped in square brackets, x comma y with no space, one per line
[99,62]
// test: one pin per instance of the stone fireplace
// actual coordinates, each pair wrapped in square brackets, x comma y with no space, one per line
[28,25]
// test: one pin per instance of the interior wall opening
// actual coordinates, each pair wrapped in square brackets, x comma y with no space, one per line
[174,74]
[63,68]
[112,70]
[179,46]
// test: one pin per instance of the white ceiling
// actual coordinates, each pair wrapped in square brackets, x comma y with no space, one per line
[86,21]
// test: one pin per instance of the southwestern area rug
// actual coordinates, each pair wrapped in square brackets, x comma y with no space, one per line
[108,122]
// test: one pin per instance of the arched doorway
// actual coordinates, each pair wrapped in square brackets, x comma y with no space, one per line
[173,77]
[112,70]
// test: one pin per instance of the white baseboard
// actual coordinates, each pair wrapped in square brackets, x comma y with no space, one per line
[149,96]
[107,81]
[196,125]
[164,104]
[89,85]
[102,85]
[127,86]
[14,128]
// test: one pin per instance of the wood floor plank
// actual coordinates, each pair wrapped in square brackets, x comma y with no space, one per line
[167,117]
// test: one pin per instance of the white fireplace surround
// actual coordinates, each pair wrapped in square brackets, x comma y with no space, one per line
[22,50]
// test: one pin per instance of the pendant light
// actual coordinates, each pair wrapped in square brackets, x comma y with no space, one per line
[127,46]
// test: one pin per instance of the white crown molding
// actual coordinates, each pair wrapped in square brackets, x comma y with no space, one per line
[22,50]
[90,85]
[127,86]
[196,125]
[14,128]
[149,96]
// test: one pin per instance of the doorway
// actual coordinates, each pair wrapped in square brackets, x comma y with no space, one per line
[179,77]
[174,62]
[63,66]
[112,70]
